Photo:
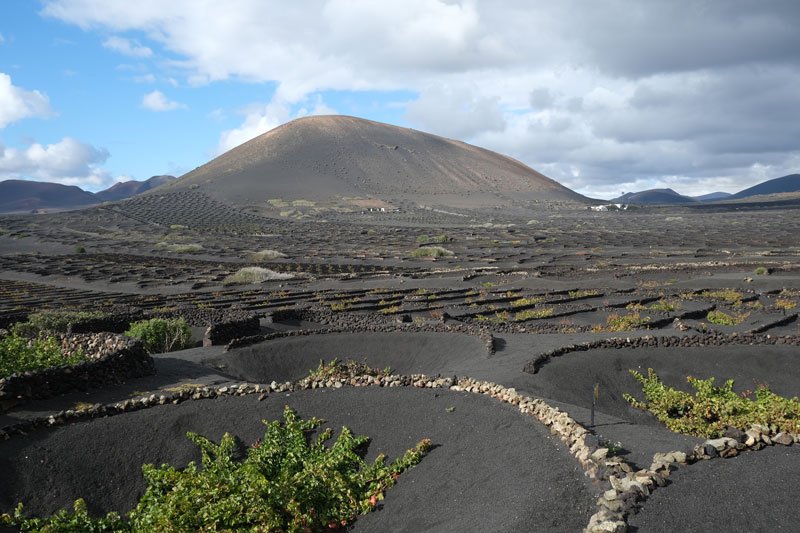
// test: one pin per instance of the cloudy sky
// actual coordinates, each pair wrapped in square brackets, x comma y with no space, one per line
[605,96]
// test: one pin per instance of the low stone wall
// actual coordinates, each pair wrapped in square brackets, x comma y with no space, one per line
[8,320]
[129,361]
[92,345]
[485,336]
[117,323]
[204,317]
[623,488]
[648,341]
[225,332]
[350,322]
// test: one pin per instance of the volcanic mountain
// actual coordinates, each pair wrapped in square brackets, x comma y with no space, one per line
[24,195]
[652,197]
[712,196]
[126,189]
[784,184]
[323,157]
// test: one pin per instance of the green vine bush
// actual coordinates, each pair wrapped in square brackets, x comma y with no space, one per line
[721,318]
[616,322]
[435,239]
[19,353]
[53,321]
[336,369]
[708,411]
[522,302]
[161,335]
[532,314]
[285,483]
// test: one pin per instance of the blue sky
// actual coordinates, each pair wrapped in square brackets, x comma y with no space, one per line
[604,97]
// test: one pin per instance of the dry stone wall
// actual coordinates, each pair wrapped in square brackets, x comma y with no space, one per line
[129,360]
[715,339]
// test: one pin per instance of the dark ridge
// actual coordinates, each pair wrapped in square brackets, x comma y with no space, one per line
[784,184]
[126,189]
[653,196]
[24,195]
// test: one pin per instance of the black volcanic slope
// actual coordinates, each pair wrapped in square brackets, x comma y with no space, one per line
[23,195]
[790,183]
[322,157]
[653,196]
[126,189]
[712,196]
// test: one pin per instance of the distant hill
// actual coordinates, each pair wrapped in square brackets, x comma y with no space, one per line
[712,196]
[322,157]
[784,184]
[25,196]
[652,197]
[126,189]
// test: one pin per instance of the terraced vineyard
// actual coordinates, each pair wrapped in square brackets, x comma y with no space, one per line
[511,351]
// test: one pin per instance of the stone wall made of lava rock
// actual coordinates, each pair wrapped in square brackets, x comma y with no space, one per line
[204,317]
[8,320]
[130,360]
[483,335]
[649,341]
[92,345]
[225,332]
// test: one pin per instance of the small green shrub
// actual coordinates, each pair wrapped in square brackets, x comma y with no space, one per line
[530,314]
[762,271]
[711,409]
[161,335]
[785,304]
[50,322]
[432,251]
[344,304]
[266,255]
[726,295]
[286,482]
[522,302]
[250,275]
[615,449]
[80,249]
[434,239]
[336,369]
[500,317]
[616,322]
[18,353]
[724,319]
[583,293]
[668,306]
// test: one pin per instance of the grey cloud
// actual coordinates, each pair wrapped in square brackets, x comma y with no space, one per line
[542,98]
[633,38]
[455,113]
[742,109]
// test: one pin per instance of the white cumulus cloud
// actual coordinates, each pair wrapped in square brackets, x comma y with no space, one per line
[262,118]
[599,95]
[158,101]
[127,47]
[69,162]
[17,103]
[456,113]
